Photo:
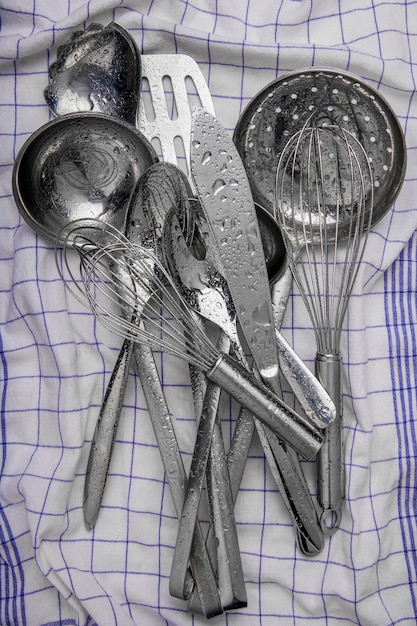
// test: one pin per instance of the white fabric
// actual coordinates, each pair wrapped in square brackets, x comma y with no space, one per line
[56,360]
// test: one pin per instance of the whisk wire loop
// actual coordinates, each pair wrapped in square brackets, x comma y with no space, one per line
[144,283]
[324,197]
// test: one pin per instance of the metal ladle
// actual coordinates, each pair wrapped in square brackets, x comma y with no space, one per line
[82,165]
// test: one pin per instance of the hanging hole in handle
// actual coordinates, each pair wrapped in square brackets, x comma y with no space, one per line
[330,521]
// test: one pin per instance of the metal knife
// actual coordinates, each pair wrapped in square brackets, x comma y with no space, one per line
[223,188]
[226,198]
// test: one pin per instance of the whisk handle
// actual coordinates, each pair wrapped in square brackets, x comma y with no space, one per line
[330,466]
[303,436]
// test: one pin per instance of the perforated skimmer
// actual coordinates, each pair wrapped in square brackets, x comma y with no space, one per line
[277,112]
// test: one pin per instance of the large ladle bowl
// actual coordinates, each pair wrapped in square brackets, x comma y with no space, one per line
[82,165]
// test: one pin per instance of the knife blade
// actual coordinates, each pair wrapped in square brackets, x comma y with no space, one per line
[225,195]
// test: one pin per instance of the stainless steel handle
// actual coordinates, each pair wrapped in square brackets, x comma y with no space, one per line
[209,460]
[100,454]
[104,435]
[289,478]
[330,467]
[280,293]
[199,561]
[310,393]
[297,431]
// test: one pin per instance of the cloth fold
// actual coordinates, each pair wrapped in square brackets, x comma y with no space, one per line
[55,360]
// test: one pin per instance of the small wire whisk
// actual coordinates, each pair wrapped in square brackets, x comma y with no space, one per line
[165,325]
[324,203]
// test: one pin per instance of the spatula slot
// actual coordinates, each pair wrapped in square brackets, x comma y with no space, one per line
[146,100]
[170,101]
[193,95]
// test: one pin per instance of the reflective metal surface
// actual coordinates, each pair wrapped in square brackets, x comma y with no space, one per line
[98,70]
[82,165]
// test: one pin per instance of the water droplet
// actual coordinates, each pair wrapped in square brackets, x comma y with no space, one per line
[218,186]
[206,157]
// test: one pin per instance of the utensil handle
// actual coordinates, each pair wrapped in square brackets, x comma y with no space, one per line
[310,393]
[313,398]
[297,431]
[280,293]
[199,561]
[209,459]
[100,455]
[286,470]
[330,467]
[188,517]
[104,436]
[221,504]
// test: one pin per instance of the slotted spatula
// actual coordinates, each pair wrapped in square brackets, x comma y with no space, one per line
[172,84]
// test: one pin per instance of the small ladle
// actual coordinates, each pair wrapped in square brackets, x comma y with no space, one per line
[81,165]
[98,69]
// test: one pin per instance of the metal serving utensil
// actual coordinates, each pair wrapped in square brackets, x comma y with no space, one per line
[265,127]
[160,188]
[77,166]
[205,289]
[98,70]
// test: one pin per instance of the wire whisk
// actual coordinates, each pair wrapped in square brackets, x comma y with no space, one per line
[324,203]
[166,326]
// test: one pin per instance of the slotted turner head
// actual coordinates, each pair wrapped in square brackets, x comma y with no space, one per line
[172,85]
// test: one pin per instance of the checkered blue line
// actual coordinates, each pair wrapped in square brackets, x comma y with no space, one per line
[402,277]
